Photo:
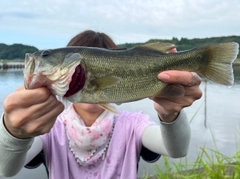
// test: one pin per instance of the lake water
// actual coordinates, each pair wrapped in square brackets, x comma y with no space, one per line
[222,119]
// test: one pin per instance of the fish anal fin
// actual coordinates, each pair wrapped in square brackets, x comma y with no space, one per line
[105,82]
[158,46]
[109,107]
[171,90]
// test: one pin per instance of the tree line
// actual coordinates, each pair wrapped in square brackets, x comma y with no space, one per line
[15,51]
[18,51]
[186,44]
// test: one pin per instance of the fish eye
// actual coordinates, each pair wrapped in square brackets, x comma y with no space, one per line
[45,53]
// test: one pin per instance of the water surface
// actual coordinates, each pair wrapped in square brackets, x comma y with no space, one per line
[223,119]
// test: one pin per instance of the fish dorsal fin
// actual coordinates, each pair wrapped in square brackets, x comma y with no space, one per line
[105,82]
[158,46]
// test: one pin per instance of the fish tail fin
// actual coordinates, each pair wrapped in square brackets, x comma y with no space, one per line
[220,58]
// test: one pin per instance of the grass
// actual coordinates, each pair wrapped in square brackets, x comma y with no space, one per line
[217,166]
[209,164]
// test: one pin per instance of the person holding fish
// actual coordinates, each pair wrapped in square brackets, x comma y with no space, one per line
[92,139]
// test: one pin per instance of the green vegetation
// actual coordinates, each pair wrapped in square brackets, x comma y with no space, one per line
[15,51]
[209,164]
[18,51]
[215,166]
[186,44]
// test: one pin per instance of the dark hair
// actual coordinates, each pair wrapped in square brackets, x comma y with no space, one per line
[90,38]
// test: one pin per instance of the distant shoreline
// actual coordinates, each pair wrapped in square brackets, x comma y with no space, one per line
[20,65]
[236,64]
[10,65]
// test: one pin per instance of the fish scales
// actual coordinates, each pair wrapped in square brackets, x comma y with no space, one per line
[138,75]
[118,76]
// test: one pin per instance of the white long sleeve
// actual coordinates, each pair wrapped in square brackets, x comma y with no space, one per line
[171,139]
[15,153]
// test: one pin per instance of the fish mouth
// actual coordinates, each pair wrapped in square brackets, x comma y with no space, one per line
[77,82]
[32,79]
[63,80]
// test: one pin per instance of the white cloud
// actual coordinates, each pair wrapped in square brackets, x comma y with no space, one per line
[125,21]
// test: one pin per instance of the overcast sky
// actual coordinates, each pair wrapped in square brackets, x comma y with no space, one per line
[52,23]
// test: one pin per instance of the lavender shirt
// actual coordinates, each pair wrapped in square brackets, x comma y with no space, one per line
[120,160]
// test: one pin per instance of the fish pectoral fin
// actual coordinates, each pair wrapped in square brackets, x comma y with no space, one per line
[105,82]
[109,107]
[171,90]
[158,46]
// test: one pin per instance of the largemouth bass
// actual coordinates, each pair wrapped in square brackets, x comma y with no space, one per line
[101,76]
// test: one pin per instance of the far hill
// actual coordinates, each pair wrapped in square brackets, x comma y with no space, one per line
[186,44]
[18,51]
[15,51]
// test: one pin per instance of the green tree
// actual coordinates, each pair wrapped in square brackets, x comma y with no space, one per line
[15,51]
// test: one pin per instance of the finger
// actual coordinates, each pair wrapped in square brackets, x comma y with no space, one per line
[20,88]
[174,104]
[43,108]
[53,114]
[168,105]
[20,115]
[180,77]
[196,80]
[193,92]
[44,123]
[28,97]
[31,123]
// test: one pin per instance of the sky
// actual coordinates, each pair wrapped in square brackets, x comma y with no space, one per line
[52,23]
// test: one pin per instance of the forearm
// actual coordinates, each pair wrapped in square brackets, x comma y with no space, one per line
[171,139]
[14,153]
